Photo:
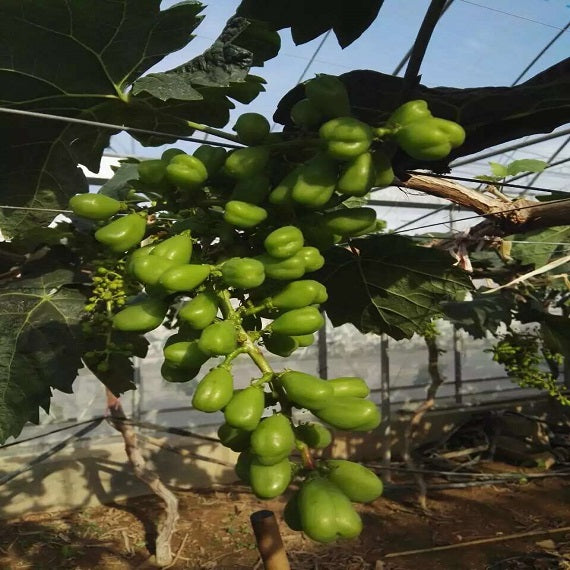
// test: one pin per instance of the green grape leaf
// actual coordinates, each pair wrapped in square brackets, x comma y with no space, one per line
[487,178]
[241,45]
[356,202]
[106,51]
[38,237]
[173,116]
[555,332]
[489,115]
[119,186]
[11,258]
[165,86]
[526,165]
[539,247]
[482,314]
[552,195]
[488,264]
[499,170]
[119,372]
[348,19]
[393,286]
[39,343]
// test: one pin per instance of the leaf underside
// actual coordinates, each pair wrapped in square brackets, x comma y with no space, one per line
[489,115]
[106,51]
[386,284]
[348,19]
[39,346]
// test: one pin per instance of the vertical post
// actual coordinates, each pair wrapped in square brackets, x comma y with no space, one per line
[566,369]
[269,542]
[137,395]
[386,434]
[323,355]
[456,342]
[457,366]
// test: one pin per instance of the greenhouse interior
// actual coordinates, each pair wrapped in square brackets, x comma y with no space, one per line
[447,405]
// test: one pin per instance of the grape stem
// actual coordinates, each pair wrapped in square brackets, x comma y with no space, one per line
[231,356]
[265,378]
[214,132]
[294,143]
[306,457]
[268,375]
[247,312]
[383,132]
[244,339]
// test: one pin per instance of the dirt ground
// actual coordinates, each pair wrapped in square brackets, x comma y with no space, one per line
[214,533]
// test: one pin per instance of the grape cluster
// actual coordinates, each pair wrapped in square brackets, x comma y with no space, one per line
[252,226]
[522,356]
[110,289]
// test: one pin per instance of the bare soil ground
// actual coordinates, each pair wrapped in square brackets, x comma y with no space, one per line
[215,533]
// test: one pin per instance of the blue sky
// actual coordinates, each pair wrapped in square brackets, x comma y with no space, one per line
[477,43]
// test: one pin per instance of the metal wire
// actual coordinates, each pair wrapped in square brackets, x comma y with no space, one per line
[47,434]
[550,165]
[43,456]
[148,131]
[541,53]
[510,14]
[515,146]
[432,213]
[480,216]
[31,208]
[442,208]
[111,126]
[312,58]
[309,63]
[554,155]
[466,179]
[558,243]
[437,224]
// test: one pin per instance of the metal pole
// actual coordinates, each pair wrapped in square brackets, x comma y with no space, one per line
[457,366]
[312,58]
[137,410]
[553,156]
[541,53]
[516,146]
[386,433]
[525,174]
[435,211]
[456,351]
[310,63]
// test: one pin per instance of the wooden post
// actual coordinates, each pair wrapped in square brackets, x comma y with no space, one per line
[269,541]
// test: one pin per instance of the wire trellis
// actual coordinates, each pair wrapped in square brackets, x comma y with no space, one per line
[479,181]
